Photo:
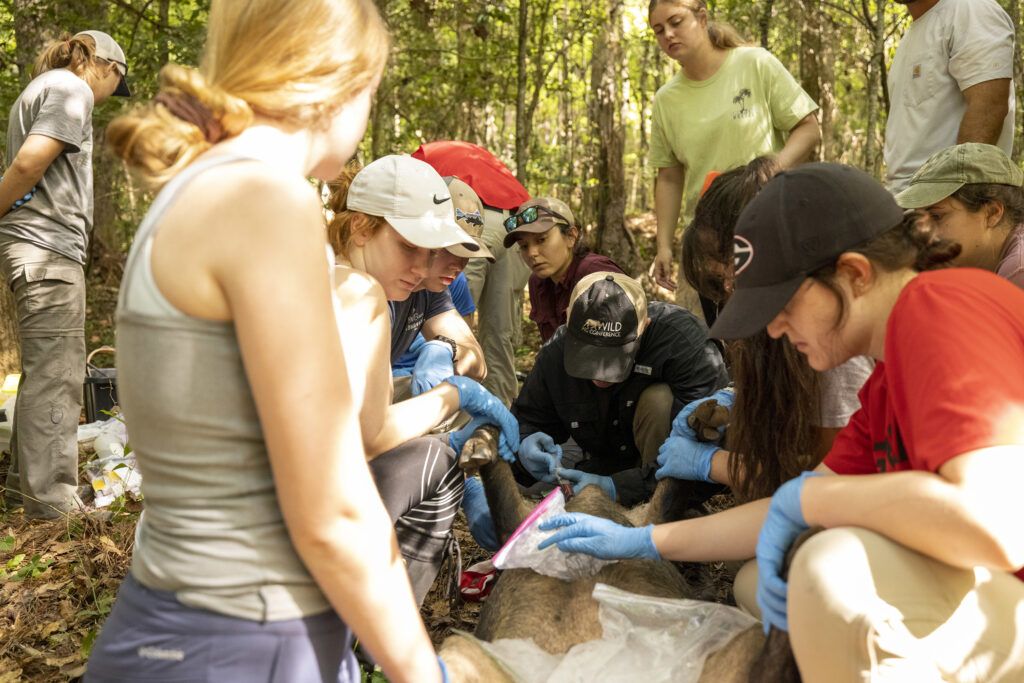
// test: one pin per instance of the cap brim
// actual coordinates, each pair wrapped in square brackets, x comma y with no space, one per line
[920,195]
[122,89]
[532,228]
[750,309]
[603,363]
[430,232]
[481,252]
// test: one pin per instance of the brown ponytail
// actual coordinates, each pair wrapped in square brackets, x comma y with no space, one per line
[912,244]
[345,223]
[294,66]
[77,54]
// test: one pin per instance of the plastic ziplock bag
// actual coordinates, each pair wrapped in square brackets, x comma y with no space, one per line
[655,640]
[520,551]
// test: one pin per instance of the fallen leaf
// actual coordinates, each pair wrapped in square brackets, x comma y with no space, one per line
[51,628]
[110,545]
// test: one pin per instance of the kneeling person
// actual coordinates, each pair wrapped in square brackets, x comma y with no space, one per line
[612,378]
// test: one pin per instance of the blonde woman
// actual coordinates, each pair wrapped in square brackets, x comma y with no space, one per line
[45,221]
[728,103]
[264,546]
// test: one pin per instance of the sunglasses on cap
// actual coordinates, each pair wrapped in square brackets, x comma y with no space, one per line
[530,215]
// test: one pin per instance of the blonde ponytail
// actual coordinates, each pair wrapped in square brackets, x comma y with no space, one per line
[268,58]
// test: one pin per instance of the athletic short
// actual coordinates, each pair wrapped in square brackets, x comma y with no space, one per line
[150,636]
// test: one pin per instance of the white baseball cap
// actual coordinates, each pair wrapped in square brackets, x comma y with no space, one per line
[411,196]
[108,49]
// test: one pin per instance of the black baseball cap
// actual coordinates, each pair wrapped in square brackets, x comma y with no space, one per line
[802,220]
[602,332]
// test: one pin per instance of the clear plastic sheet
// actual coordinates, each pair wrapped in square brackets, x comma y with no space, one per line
[655,640]
[520,551]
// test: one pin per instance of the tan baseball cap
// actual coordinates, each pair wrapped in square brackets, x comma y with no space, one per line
[469,214]
[553,212]
[605,319]
[108,49]
[946,171]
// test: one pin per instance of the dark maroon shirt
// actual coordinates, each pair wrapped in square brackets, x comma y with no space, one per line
[549,300]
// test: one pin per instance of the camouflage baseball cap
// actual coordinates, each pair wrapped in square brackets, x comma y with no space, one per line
[946,171]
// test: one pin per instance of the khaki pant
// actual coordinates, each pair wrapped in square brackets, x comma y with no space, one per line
[865,608]
[49,294]
[498,320]
[652,422]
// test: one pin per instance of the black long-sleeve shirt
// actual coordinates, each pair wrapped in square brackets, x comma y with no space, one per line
[674,349]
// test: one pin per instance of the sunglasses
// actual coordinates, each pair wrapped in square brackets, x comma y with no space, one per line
[530,215]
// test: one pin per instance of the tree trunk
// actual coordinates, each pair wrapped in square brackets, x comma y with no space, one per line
[875,66]
[610,235]
[522,133]
[766,22]
[810,58]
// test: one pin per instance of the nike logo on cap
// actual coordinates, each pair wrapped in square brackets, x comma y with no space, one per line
[440,201]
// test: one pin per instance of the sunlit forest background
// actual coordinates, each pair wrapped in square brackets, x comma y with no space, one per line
[561,90]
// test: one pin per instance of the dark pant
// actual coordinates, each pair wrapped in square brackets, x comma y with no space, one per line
[421,485]
[150,636]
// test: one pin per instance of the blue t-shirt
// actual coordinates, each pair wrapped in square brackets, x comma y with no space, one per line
[462,299]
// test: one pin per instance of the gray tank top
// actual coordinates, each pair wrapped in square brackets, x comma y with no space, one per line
[212,530]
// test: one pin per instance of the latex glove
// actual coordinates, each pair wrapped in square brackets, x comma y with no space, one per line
[478,515]
[457,439]
[580,480]
[21,202]
[661,269]
[725,397]
[541,456]
[684,458]
[602,538]
[785,521]
[479,402]
[433,365]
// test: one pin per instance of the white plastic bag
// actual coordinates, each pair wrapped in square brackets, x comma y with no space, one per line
[520,551]
[655,640]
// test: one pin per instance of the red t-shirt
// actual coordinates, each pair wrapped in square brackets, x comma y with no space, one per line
[478,168]
[952,380]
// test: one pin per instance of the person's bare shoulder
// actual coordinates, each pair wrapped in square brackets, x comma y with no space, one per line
[359,294]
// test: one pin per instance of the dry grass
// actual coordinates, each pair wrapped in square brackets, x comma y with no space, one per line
[58,579]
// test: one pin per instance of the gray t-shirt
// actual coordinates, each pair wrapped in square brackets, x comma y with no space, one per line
[839,388]
[57,104]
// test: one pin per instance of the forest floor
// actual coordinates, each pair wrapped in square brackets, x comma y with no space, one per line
[58,579]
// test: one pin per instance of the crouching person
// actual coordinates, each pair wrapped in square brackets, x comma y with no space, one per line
[612,378]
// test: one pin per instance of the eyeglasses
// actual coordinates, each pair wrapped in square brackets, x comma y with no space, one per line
[530,215]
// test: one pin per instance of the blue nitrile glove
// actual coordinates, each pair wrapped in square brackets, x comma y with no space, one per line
[434,365]
[21,202]
[684,458]
[785,521]
[602,538]
[541,456]
[444,670]
[725,397]
[581,480]
[478,515]
[457,439]
[479,402]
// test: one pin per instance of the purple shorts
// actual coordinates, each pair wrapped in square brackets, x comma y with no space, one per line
[150,636]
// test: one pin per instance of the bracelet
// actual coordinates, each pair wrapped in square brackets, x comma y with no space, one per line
[450,342]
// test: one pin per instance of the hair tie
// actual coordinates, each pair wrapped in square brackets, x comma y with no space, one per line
[188,108]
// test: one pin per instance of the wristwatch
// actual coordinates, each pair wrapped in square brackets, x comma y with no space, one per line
[450,342]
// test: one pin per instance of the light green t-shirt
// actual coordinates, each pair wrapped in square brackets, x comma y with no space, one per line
[744,111]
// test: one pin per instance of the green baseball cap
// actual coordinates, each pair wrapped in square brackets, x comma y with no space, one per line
[946,171]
